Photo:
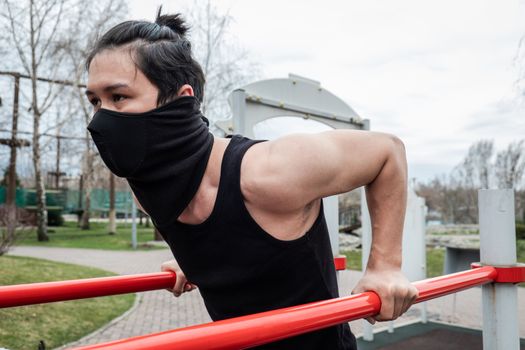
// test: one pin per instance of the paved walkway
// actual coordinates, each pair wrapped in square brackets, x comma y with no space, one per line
[157,311]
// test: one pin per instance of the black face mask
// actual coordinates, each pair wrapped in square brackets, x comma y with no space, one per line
[162,153]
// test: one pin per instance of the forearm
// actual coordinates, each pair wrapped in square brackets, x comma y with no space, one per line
[386,197]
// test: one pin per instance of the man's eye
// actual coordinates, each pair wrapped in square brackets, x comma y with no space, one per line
[94,101]
[118,98]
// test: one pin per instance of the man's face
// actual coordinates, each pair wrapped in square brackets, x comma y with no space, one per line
[115,83]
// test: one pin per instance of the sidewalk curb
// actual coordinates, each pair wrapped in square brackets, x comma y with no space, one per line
[138,300]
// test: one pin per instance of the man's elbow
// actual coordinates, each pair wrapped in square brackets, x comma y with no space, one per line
[397,154]
[397,144]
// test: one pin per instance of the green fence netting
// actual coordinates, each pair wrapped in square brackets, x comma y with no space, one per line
[20,198]
[71,201]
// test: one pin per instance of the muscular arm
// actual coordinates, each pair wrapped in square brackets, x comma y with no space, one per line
[301,168]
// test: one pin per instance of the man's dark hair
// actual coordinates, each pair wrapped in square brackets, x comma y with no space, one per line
[160,50]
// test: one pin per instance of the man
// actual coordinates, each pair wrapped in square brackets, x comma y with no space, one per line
[243,218]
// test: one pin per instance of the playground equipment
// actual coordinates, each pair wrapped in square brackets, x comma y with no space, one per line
[497,272]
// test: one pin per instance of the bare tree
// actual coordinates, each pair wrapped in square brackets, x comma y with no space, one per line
[94,19]
[478,164]
[455,195]
[34,26]
[21,228]
[519,63]
[225,63]
[460,188]
[510,165]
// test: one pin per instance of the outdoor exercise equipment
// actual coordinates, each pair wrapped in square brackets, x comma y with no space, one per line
[498,272]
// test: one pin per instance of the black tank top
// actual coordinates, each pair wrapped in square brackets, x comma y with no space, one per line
[240,269]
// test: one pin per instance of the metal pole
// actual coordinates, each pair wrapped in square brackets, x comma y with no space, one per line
[498,248]
[46,292]
[366,244]
[112,211]
[239,112]
[133,224]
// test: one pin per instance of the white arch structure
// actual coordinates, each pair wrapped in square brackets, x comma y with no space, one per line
[294,96]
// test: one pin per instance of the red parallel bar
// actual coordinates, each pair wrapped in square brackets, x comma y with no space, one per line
[46,292]
[340,263]
[507,274]
[252,330]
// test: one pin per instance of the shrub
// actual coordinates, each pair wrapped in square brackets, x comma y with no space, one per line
[520,230]
[54,218]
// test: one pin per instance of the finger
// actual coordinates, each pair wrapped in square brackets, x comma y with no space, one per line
[387,308]
[411,297]
[180,282]
[370,320]
[398,304]
[407,301]
[186,288]
[167,266]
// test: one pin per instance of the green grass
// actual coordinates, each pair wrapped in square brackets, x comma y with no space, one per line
[56,323]
[353,260]
[520,247]
[435,259]
[97,237]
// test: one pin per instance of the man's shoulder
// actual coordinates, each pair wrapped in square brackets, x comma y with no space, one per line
[265,180]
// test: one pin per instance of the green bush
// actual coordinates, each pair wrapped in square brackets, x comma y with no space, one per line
[54,218]
[520,230]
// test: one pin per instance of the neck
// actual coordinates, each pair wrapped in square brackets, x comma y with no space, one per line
[202,203]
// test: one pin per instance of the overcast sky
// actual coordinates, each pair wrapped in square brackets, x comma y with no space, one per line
[438,74]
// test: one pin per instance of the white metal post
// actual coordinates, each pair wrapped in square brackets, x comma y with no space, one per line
[498,248]
[366,244]
[239,113]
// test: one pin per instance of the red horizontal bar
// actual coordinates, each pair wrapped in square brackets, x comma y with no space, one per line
[340,263]
[252,330]
[46,292]
[507,274]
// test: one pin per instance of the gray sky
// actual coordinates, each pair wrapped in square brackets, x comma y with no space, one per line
[438,74]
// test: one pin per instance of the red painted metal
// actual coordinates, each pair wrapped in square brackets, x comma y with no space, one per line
[340,263]
[252,330]
[46,292]
[507,274]
[36,293]
[438,286]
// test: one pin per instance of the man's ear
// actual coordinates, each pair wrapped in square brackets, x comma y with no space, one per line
[185,90]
